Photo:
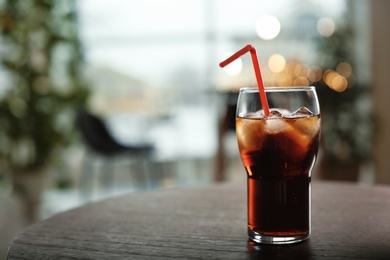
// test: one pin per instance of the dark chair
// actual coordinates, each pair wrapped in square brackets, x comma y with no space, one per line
[226,124]
[100,143]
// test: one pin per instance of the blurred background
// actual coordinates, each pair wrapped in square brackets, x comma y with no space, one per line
[100,98]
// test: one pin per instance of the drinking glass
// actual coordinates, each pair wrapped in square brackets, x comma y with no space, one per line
[278,152]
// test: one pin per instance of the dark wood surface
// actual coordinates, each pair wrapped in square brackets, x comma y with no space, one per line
[209,222]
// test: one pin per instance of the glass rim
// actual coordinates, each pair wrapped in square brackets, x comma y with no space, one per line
[278,89]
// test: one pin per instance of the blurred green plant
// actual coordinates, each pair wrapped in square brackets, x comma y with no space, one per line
[348,122]
[41,81]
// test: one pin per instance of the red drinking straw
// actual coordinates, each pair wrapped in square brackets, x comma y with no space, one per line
[256,67]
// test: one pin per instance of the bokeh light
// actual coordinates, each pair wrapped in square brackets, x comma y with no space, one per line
[301,81]
[277,63]
[344,69]
[294,68]
[267,27]
[280,72]
[326,27]
[335,81]
[284,79]
[317,74]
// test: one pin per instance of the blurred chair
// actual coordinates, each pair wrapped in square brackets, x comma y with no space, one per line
[100,143]
[226,124]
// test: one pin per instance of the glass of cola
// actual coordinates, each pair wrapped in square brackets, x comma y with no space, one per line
[278,152]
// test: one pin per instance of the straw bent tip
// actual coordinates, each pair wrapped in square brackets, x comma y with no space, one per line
[250,48]
[247,48]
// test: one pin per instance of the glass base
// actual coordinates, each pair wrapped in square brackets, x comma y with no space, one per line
[276,240]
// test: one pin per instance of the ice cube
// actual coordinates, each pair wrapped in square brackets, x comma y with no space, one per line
[278,112]
[275,113]
[301,112]
[309,126]
[250,133]
[274,122]
[305,122]
[258,114]
[275,125]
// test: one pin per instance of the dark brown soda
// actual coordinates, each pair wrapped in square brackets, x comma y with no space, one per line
[278,169]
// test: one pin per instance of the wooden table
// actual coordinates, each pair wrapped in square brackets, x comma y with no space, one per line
[209,222]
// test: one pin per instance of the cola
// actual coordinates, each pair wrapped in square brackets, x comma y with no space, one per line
[278,153]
